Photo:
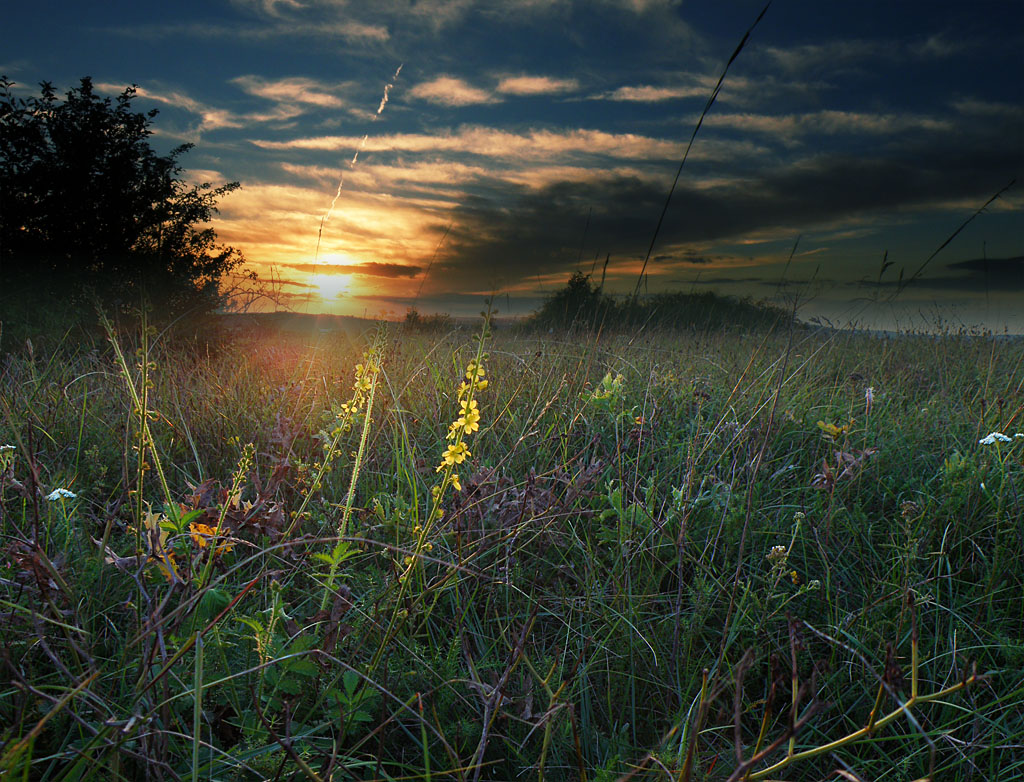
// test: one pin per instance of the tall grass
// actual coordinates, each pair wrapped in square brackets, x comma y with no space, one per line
[700,556]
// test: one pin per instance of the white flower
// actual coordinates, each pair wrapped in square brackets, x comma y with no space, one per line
[777,554]
[1018,434]
[994,437]
[61,494]
[6,448]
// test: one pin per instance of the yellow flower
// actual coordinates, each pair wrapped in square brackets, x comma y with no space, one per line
[470,418]
[455,481]
[455,453]
[464,386]
[474,371]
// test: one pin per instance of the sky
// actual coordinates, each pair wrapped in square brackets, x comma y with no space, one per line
[400,153]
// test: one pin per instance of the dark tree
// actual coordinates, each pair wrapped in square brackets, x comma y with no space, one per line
[579,303]
[89,211]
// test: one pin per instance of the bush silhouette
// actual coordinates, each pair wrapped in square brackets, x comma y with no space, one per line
[92,213]
[583,305]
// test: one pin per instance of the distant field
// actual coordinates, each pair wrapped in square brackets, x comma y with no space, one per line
[376,554]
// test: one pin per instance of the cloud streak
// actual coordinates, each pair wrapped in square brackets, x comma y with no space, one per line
[291,90]
[452,92]
[536,85]
[368,269]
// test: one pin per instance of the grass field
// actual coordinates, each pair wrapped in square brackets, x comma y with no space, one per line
[771,554]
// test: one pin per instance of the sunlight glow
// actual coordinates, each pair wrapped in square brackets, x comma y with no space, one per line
[331,286]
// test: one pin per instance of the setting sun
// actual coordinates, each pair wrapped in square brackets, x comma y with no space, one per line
[332,286]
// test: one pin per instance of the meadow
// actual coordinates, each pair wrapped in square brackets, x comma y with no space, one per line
[489,553]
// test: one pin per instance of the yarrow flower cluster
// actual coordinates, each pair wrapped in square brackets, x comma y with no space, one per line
[61,494]
[994,437]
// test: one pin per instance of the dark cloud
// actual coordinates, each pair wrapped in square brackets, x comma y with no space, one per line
[977,275]
[723,281]
[293,283]
[689,256]
[370,269]
[537,231]
[1006,274]
[457,303]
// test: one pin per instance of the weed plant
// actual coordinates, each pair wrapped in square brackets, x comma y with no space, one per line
[675,555]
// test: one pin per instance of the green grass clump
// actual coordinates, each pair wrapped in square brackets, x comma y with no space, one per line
[412,554]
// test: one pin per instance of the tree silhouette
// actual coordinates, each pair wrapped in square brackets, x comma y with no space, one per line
[88,210]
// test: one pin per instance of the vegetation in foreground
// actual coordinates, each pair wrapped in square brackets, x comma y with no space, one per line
[705,555]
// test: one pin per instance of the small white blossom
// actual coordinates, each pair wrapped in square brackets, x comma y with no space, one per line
[869,397]
[61,494]
[992,438]
[1018,434]
[777,554]
[6,448]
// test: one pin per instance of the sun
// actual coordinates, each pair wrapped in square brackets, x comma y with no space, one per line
[330,278]
[331,286]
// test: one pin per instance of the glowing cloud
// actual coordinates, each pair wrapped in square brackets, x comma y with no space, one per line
[290,90]
[535,85]
[449,91]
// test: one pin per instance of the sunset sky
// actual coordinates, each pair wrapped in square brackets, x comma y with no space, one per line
[524,139]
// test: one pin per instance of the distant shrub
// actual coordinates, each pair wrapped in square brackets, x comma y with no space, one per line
[439,321]
[582,304]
